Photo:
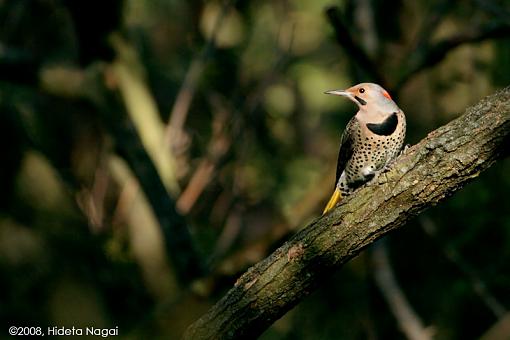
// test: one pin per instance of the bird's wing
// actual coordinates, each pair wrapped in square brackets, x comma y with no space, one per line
[346,146]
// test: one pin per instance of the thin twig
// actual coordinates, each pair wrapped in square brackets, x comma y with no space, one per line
[188,88]
[494,9]
[429,56]
[355,51]
[430,23]
[178,241]
[499,330]
[479,286]
[408,320]
[91,201]
[218,147]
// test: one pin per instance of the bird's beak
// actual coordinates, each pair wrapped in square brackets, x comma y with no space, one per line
[339,93]
[346,93]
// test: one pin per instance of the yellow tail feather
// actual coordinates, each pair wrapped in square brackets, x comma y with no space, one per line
[335,198]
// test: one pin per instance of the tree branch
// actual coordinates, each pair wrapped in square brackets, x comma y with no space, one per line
[189,85]
[476,282]
[408,321]
[498,331]
[429,172]
[178,240]
[430,55]
[358,55]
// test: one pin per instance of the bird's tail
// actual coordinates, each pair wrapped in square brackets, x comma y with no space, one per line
[335,198]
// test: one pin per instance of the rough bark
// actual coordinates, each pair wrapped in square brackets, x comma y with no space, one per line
[427,173]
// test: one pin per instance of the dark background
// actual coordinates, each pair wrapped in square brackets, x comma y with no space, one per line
[104,105]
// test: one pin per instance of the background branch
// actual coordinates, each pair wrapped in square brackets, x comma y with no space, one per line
[431,54]
[408,321]
[177,237]
[498,331]
[345,39]
[429,172]
[188,87]
[479,286]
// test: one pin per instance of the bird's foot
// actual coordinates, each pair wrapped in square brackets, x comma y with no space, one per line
[389,165]
[404,149]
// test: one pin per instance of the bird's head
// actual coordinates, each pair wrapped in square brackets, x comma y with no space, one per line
[368,96]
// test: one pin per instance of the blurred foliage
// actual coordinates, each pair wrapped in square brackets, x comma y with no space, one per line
[227,100]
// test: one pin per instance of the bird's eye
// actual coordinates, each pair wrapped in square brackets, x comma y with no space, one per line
[361,90]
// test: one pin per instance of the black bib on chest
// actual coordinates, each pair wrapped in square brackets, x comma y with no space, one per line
[386,128]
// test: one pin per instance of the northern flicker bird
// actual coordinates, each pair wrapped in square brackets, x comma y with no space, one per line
[372,139]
